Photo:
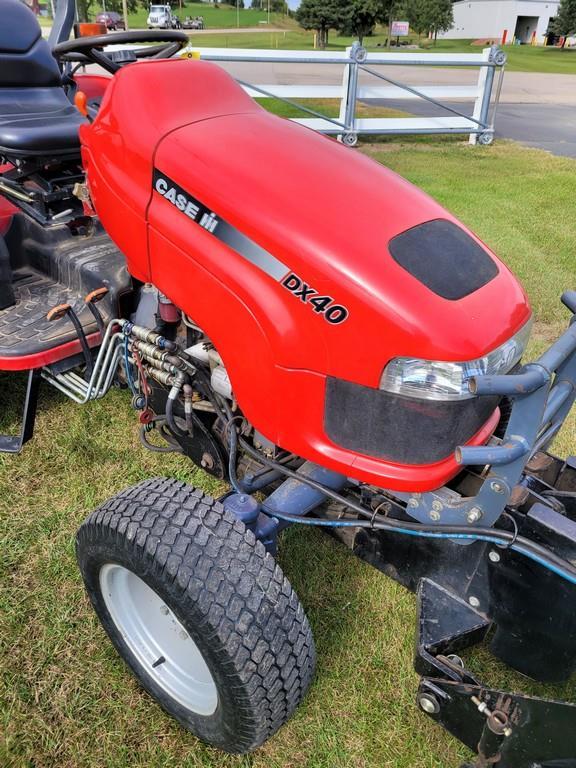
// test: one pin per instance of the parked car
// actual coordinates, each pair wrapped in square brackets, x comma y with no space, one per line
[161,17]
[196,23]
[112,20]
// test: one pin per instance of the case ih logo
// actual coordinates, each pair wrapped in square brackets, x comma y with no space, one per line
[333,313]
[222,230]
[188,205]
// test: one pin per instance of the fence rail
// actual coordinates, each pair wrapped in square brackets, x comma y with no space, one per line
[356,60]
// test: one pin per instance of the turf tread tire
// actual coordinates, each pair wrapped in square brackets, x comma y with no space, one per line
[227,591]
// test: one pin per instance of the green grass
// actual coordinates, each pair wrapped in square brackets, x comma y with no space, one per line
[328,107]
[67,701]
[215,16]
[521,58]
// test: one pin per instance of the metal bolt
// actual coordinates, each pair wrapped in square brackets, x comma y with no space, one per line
[435,516]
[437,505]
[497,486]
[183,634]
[412,502]
[474,602]
[474,515]
[164,610]
[494,556]
[429,704]
[207,461]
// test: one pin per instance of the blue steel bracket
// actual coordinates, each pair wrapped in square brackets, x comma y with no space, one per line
[541,396]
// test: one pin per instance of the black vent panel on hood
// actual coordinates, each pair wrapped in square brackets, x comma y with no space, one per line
[444,258]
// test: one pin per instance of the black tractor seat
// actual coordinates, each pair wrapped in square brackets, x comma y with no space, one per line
[36,118]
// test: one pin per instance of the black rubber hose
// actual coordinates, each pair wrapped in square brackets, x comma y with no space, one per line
[157,448]
[494,535]
[170,418]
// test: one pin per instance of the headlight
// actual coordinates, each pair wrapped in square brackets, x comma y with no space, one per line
[432,380]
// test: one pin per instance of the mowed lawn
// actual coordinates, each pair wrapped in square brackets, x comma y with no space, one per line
[521,58]
[66,699]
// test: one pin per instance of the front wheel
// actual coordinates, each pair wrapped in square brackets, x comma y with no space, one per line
[199,611]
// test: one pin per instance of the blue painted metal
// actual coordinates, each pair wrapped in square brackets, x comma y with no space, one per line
[244,507]
[495,455]
[510,385]
[556,399]
[568,298]
[297,498]
[293,497]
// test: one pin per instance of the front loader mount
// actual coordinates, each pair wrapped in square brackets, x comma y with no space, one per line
[462,592]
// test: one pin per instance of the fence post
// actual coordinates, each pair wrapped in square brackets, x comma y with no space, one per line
[482,104]
[355,54]
[345,92]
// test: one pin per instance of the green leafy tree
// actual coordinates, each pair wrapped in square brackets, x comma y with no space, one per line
[84,7]
[429,16]
[359,17]
[321,16]
[116,5]
[564,24]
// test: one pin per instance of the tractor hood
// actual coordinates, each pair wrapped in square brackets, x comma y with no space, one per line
[309,265]
[339,223]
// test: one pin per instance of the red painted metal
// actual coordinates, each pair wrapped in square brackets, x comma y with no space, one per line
[7,209]
[325,211]
[47,357]
[94,86]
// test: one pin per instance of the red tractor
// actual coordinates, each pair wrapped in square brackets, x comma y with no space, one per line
[299,321]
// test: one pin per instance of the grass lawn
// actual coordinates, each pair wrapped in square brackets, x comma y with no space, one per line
[328,107]
[215,16]
[66,699]
[521,58]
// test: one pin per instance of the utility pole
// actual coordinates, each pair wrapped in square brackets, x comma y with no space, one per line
[268,12]
[125,12]
[237,13]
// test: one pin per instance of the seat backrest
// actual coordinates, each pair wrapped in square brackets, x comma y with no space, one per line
[25,57]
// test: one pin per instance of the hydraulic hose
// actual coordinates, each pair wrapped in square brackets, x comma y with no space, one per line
[497,536]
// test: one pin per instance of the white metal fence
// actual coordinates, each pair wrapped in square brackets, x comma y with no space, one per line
[356,60]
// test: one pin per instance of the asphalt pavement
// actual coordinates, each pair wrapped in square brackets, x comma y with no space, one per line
[546,126]
[537,109]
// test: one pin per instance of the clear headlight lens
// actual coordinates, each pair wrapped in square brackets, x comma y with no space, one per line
[433,380]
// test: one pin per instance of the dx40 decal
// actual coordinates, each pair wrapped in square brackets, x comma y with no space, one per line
[323,305]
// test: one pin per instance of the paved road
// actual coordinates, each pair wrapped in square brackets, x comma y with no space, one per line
[519,87]
[536,109]
[546,126]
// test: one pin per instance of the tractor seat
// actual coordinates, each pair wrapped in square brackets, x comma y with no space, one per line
[36,118]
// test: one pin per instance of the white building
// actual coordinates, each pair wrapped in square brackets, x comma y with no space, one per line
[490,19]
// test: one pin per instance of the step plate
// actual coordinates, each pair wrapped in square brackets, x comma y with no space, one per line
[52,268]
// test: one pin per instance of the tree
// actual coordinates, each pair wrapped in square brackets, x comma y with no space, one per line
[429,16]
[564,24]
[84,7]
[321,16]
[359,17]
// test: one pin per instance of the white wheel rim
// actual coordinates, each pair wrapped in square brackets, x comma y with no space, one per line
[158,640]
